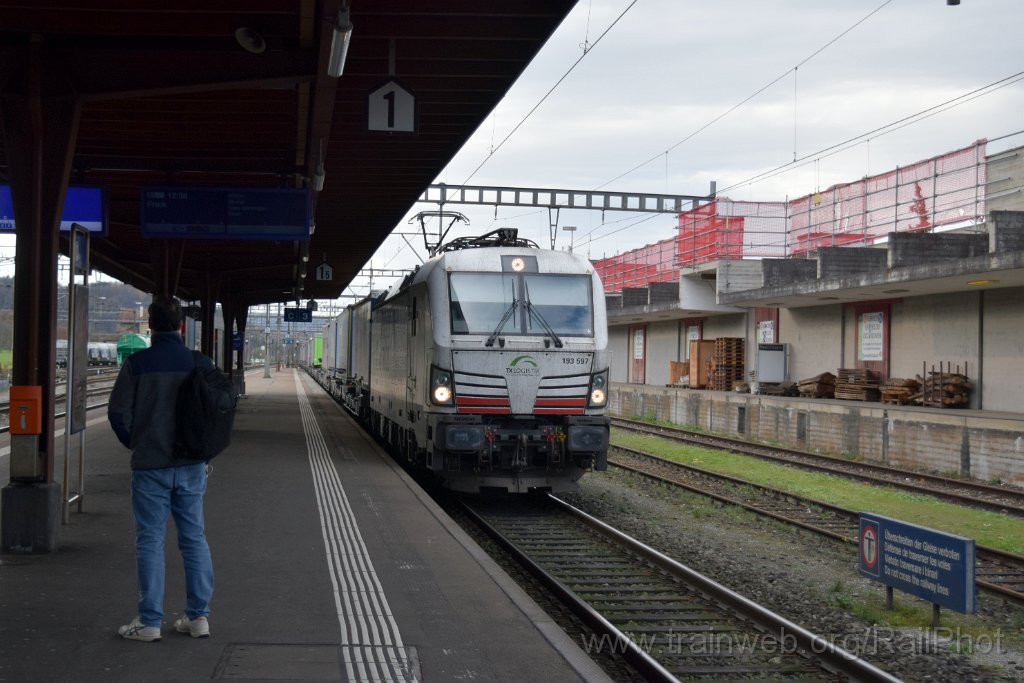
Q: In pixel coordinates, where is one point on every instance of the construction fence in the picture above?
(940, 192)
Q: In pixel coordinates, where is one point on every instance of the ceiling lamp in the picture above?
(339, 44)
(250, 40)
(319, 177)
(318, 173)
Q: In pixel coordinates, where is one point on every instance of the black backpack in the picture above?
(204, 412)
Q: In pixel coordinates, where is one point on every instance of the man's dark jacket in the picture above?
(141, 407)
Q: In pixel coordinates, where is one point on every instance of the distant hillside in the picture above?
(116, 295)
(106, 299)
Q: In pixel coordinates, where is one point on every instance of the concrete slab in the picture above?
(306, 519)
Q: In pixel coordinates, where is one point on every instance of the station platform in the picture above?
(331, 564)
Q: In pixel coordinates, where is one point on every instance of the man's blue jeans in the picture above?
(178, 491)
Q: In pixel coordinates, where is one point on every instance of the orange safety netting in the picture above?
(940, 191)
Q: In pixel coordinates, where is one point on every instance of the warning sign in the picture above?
(933, 565)
(869, 547)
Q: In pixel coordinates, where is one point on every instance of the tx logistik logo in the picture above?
(522, 365)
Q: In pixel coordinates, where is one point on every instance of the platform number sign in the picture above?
(324, 272)
(298, 315)
(392, 108)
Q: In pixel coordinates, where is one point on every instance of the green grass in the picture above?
(6, 359)
(652, 420)
(986, 528)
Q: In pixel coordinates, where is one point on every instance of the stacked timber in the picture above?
(778, 389)
(819, 386)
(854, 384)
(900, 392)
(946, 388)
(728, 363)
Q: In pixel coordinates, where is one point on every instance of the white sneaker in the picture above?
(197, 628)
(136, 630)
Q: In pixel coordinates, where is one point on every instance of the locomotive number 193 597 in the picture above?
(574, 360)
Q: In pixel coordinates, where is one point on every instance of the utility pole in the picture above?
(266, 344)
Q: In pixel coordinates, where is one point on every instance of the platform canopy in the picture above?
(237, 94)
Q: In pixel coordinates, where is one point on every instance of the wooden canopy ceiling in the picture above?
(169, 96)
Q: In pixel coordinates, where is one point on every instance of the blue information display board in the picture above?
(225, 213)
(82, 205)
(933, 565)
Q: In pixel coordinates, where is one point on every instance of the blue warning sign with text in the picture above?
(933, 565)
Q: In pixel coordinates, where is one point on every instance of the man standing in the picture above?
(141, 413)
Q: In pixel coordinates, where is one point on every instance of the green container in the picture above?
(129, 344)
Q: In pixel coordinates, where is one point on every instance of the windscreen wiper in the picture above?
(534, 313)
(512, 307)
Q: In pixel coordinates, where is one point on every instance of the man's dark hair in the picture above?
(165, 314)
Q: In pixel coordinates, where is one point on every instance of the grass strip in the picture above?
(986, 528)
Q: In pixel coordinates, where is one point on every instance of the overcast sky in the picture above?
(651, 87)
(668, 68)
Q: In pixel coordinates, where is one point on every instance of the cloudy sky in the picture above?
(673, 94)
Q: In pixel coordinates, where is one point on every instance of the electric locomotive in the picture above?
(489, 366)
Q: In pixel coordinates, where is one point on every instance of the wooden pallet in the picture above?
(854, 392)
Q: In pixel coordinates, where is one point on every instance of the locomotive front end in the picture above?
(519, 379)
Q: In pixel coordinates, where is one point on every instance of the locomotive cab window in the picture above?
(563, 302)
(480, 302)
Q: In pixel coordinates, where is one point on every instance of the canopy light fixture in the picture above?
(339, 44)
(318, 174)
(250, 40)
(318, 177)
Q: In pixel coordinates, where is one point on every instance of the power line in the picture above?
(586, 51)
(587, 47)
(884, 130)
(746, 99)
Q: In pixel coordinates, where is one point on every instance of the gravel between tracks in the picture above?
(802, 576)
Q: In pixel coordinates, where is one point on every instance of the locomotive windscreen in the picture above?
(479, 301)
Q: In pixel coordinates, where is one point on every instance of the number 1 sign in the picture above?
(392, 108)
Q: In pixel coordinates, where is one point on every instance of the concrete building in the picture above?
(899, 274)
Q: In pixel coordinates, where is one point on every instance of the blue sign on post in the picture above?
(225, 213)
(236, 341)
(933, 565)
(82, 205)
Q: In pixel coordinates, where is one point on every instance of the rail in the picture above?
(998, 572)
(622, 587)
(973, 494)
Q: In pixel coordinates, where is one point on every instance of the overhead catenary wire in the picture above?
(749, 97)
(882, 130)
(587, 46)
(519, 125)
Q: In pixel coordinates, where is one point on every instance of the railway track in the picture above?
(968, 493)
(997, 571)
(668, 621)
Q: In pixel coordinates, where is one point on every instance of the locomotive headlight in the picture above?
(598, 390)
(441, 390)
